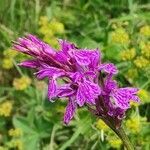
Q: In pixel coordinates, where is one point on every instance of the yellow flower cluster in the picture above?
(5, 109)
(145, 49)
(120, 36)
(7, 62)
(15, 132)
(144, 95)
(128, 54)
(49, 29)
(17, 144)
(9, 53)
(100, 124)
(141, 62)
(115, 143)
(145, 30)
(133, 125)
(21, 83)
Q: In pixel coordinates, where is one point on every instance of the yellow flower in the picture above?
(5, 109)
(15, 132)
(133, 125)
(100, 124)
(43, 20)
(141, 62)
(115, 142)
(56, 27)
(46, 31)
(17, 144)
(128, 54)
(50, 28)
(7, 63)
(45, 27)
(21, 83)
(145, 49)
(145, 30)
(120, 36)
(9, 53)
(144, 95)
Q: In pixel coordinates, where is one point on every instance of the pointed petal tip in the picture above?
(66, 122)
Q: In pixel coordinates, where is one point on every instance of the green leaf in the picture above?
(23, 124)
(112, 51)
(83, 127)
(30, 137)
(31, 142)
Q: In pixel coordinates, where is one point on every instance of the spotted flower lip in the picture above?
(80, 71)
(123, 96)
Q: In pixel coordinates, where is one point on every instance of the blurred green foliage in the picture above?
(121, 29)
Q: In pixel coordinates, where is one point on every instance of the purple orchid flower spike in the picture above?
(81, 70)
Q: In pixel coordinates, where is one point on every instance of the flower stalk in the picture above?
(121, 134)
(124, 138)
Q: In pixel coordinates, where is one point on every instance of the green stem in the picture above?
(124, 138)
(121, 134)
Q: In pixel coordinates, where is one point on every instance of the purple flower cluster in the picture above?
(83, 79)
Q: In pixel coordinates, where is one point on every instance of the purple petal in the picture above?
(33, 46)
(95, 59)
(135, 99)
(30, 64)
(90, 73)
(87, 57)
(120, 101)
(110, 85)
(87, 92)
(50, 72)
(66, 46)
(41, 45)
(52, 88)
(94, 88)
(65, 91)
(129, 90)
(81, 57)
(20, 48)
(123, 96)
(76, 77)
(70, 110)
(61, 57)
(81, 97)
(109, 68)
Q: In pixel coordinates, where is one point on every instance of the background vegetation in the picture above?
(120, 28)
